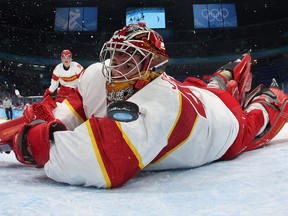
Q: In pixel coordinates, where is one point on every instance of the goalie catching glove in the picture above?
(42, 110)
(31, 144)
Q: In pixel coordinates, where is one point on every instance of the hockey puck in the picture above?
(123, 111)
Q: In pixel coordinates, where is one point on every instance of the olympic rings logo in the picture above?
(215, 14)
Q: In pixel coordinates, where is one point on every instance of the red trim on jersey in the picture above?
(54, 77)
(75, 100)
(193, 81)
(249, 125)
(63, 93)
(188, 117)
(82, 71)
(119, 160)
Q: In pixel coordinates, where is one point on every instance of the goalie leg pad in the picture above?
(31, 144)
(272, 103)
(275, 102)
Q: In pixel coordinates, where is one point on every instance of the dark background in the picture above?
(30, 49)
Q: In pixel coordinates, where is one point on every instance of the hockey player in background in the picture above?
(66, 74)
(178, 125)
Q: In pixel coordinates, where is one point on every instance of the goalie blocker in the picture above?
(31, 144)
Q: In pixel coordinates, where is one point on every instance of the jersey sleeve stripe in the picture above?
(69, 79)
(131, 146)
(98, 155)
(54, 77)
(180, 144)
(116, 155)
(178, 115)
(82, 71)
(187, 116)
(73, 110)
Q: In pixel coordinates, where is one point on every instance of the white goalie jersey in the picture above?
(176, 129)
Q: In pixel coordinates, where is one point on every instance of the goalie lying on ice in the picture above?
(179, 125)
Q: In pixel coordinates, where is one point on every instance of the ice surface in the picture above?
(255, 184)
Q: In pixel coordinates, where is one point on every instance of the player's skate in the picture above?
(275, 102)
(234, 77)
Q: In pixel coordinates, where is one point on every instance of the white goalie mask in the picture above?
(130, 56)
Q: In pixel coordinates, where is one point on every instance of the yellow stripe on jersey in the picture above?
(98, 155)
(180, 144)
(178, 115)
(69, 79)
(73, 110)
(173, 128)
(131, 146)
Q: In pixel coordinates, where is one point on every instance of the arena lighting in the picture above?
(39, 67)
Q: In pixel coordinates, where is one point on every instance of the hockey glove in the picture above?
(47, 92)
(41, 110)
(31, 144)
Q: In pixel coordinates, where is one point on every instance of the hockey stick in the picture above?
(18, 94)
